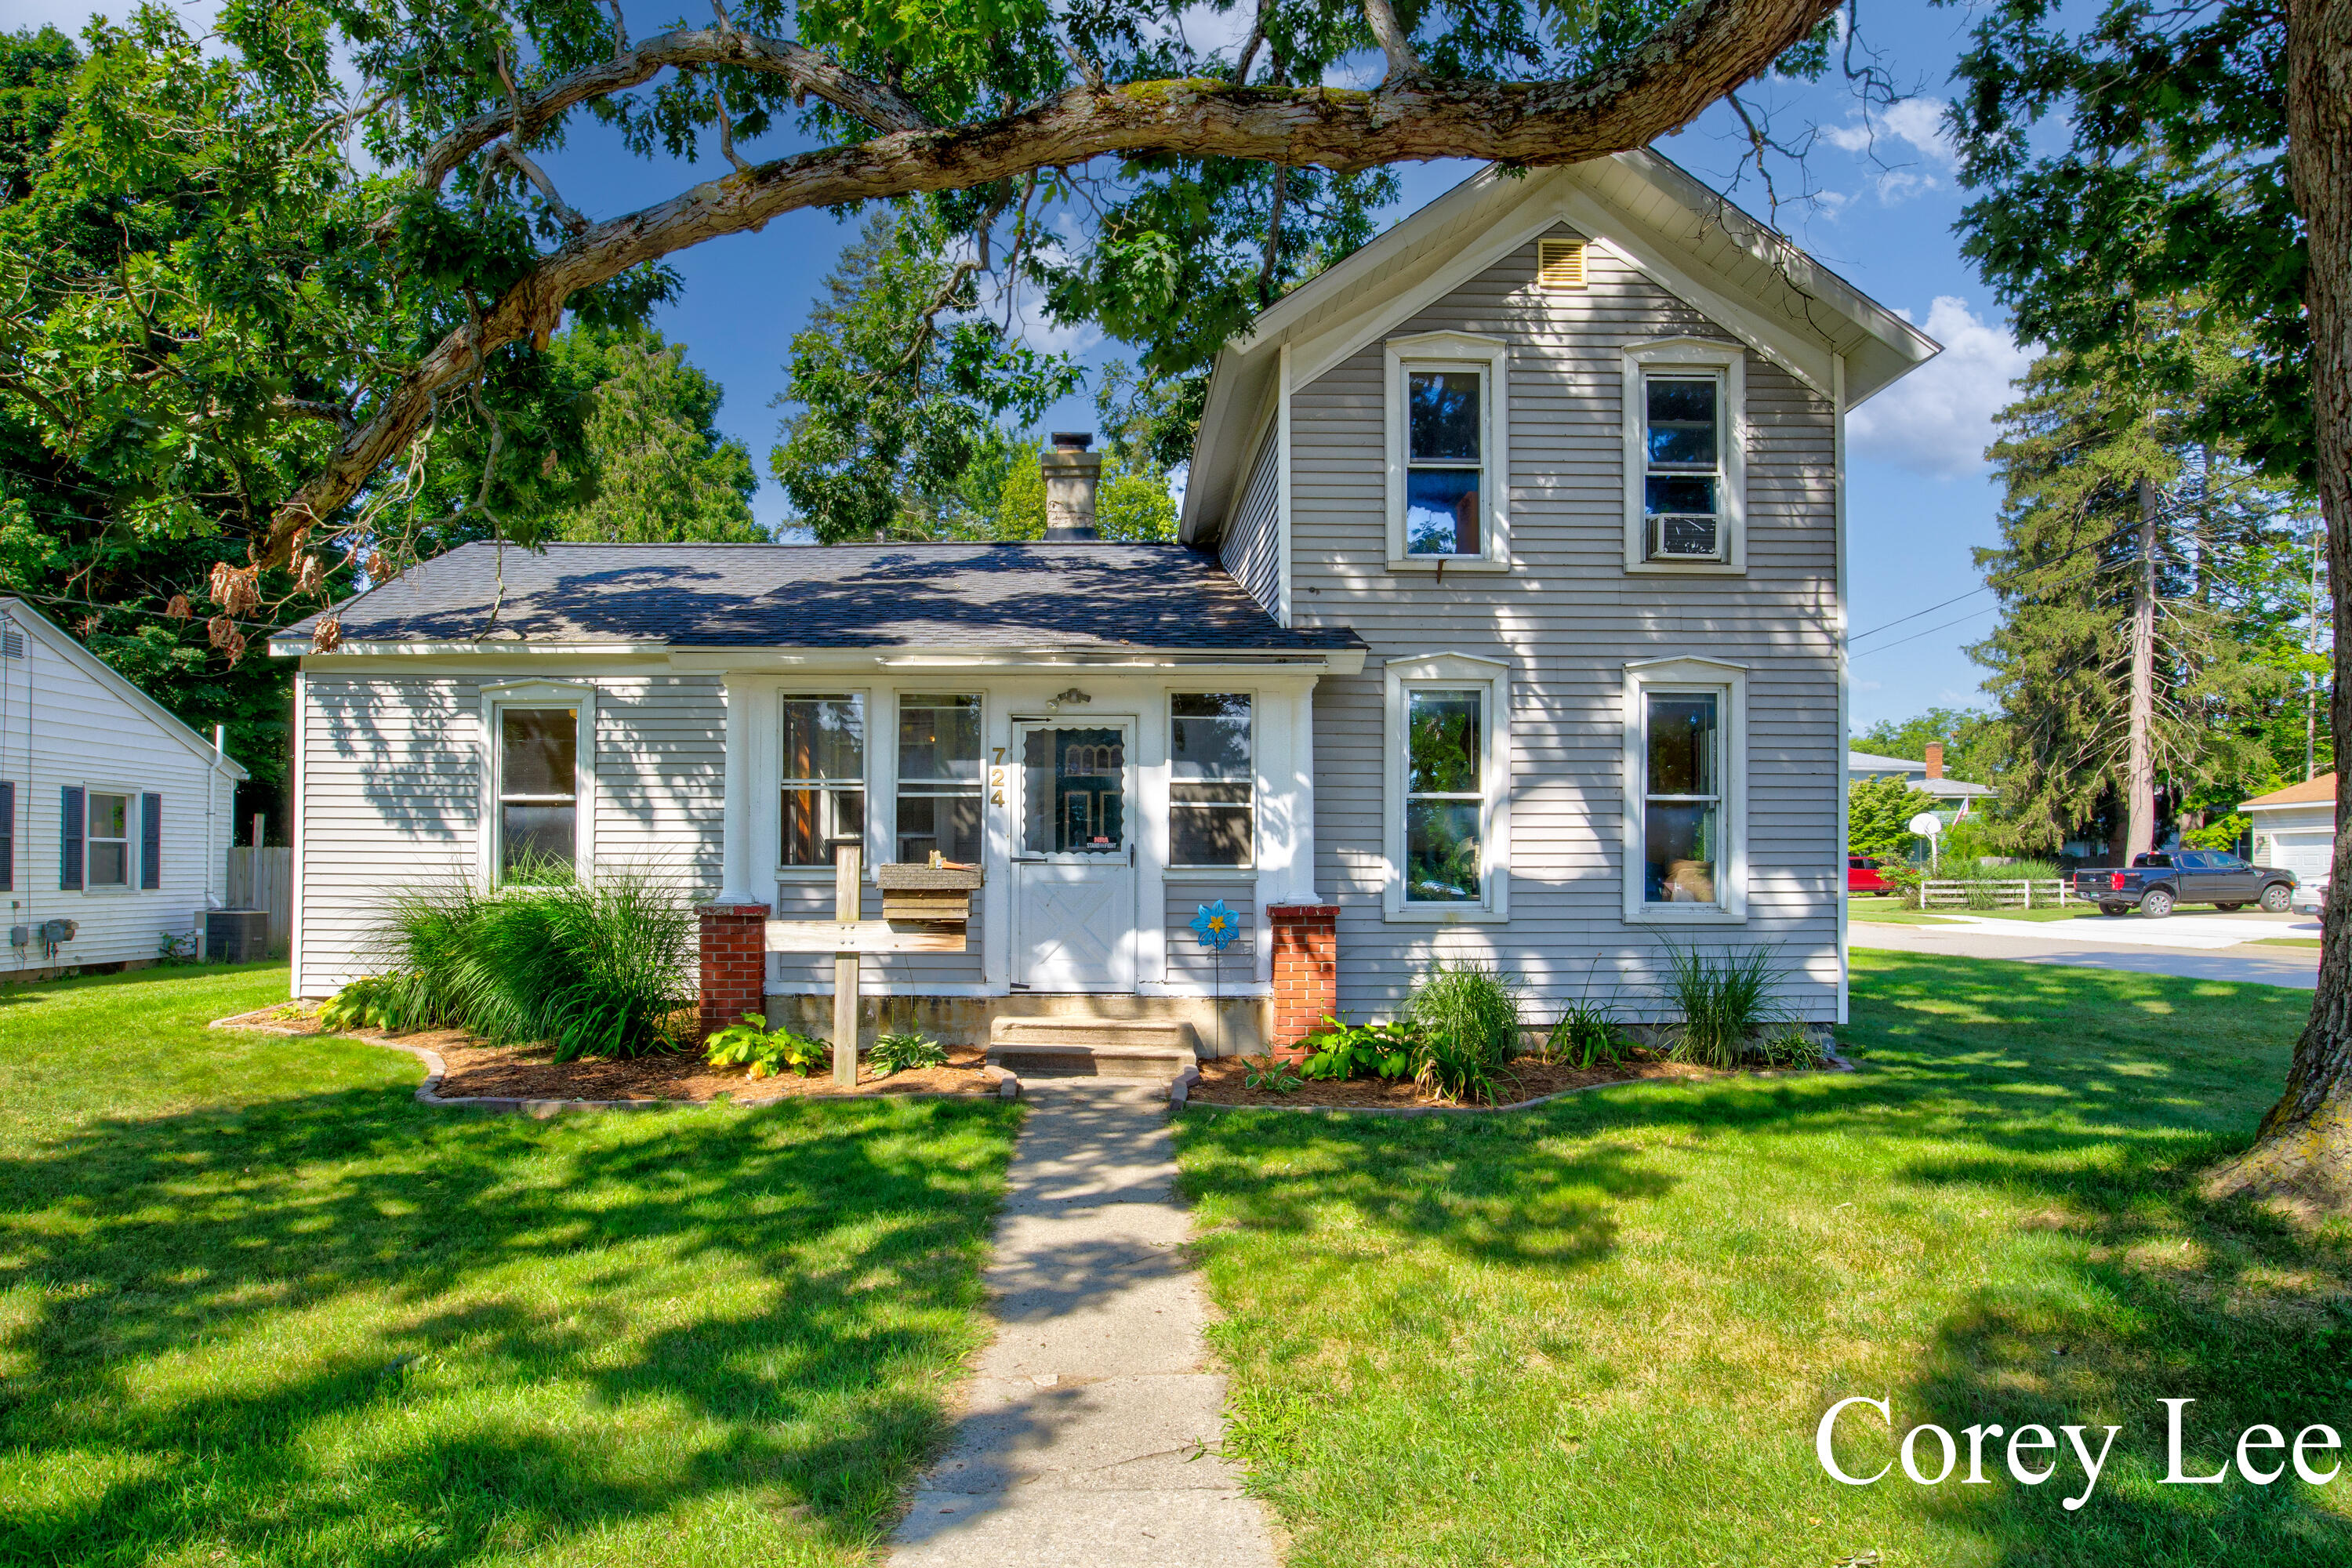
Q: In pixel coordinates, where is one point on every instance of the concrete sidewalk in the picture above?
(1092, 1427)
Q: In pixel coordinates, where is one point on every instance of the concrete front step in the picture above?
(1092, 1047)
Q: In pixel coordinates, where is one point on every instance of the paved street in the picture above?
(2101, 946)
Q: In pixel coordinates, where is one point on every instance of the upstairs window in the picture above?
(539, 794)
(1448, 466)
(1686, 462)
(1211, 782)
(824, 775)
(939, 778)
(1445, 471)
(1682, 479)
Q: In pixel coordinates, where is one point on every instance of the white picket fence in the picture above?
(2021, 892)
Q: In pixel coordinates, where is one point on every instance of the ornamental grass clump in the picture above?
(592, 969)
(1721, 1002)
(1467, 1016)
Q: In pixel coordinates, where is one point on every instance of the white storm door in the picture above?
(1074, 856)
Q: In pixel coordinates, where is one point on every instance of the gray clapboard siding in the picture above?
(392, 794)
(1251, 551)
(1188, 960)
(1567, 619)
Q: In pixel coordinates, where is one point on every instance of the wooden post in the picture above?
(846, 869)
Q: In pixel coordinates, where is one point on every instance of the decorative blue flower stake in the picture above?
(1217, 926)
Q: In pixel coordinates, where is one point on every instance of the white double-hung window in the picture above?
(939, 777)
(1685, 463)
(1685, 799)
(824, 775)
(1447, 413)
(1448, 796)
(538, 764)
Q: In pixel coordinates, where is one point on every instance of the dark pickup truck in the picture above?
(2157, 883)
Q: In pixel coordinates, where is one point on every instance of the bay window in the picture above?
(1212, 780)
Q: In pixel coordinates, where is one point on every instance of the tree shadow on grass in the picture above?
(338, 1328)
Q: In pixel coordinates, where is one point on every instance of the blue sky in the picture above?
(1919, 496)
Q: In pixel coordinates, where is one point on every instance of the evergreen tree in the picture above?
(658, 469)
(2141, 580)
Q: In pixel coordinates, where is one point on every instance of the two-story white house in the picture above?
(1507, 624)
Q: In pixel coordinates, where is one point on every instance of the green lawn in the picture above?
(1604, 1332)
(1890, 910)
(257, 1306)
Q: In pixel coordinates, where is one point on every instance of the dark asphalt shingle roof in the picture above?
(854, 595)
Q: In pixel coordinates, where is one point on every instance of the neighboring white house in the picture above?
(1507, 626)
(113, 815)
(2295, 828)
(1955, 797)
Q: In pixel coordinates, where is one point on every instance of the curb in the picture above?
(1831, 1064)
(1180, 1089)
(435, 1069)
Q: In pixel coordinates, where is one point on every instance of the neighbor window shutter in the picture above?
(151, 840)
(70, 840)
(7, 836)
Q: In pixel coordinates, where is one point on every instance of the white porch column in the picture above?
(735, 825)
(1302, 758)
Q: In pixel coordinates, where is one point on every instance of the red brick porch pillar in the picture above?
(734, 964)
(1306, 971)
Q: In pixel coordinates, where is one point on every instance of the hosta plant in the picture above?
(905, 1051)
(764, 1052)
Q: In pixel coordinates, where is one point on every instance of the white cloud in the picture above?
(1938, 419)
(1913, 122)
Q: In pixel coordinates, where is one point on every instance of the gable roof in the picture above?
(1731, 267)
(2320, 791)
(65, 646)
(1005, 597)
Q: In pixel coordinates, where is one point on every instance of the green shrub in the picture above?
(380, 1001)
(906, 1052)
(1457, 1067)
(1479, 1004)
(594, 969)
(1270, 1072)
(1790, 1046)
(765, 1051)
(1721, 1000)
(1359, 1050)
(1587, 1036)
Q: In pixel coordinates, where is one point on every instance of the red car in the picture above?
(1862, 874)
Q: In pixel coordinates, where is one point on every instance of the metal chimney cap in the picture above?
(1074, 440)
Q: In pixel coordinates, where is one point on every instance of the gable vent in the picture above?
(12, 643)
(1560, 265)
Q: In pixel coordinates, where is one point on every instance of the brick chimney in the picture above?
(1071, 475)
(1935, 759)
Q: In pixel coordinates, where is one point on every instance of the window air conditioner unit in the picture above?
(1687, 538)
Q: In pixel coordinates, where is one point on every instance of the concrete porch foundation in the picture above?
(1232, 1026)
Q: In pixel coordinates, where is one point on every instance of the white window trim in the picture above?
(1729, 361)
(1453, 671)
(1729, 682)
(129, 883)
(878, 777)
(1169, 868)
(539, 694)
(1453, 351)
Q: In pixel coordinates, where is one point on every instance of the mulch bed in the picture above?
(1224, 1083)
(479, 1071)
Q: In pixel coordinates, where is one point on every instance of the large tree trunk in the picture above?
(2139, 768)
(2302, 1155)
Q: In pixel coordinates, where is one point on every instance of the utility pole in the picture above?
(2139, 772)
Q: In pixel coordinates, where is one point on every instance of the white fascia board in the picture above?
(57, 641)
(1015, 661)
(291, 648)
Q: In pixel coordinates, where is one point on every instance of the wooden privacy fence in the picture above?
(264, 880)
(2050, 892)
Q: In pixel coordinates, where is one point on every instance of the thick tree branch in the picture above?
(1404, 64)
(1708, 48)
(871, 102)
